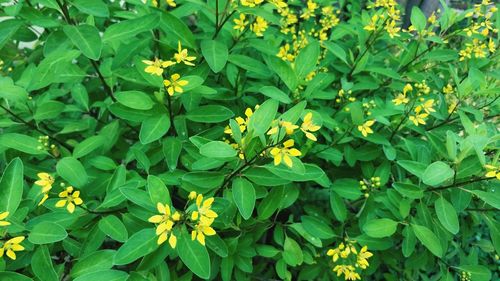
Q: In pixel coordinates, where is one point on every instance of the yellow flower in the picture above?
(448, 89)
(182, 56)
(3, 216)
(240, 23)
(156, 67)
(45, 181)
(284, 153)
(365, 128)
(242, 123)
(192, 195)
(418, 118)
(165, 222)
(491, 46)
(372, 25)
(251, 3)
(308, 126)
(348, 271)
(309, 11)
(171, 3)
(71, 198)
(426, 106)
(12, 246)
(203, 228)
(391, 29)
(362, 258)
(284, 55)
(175, 85)
(259, 26)
(289, 128)
(492, 171)
(400, 99)
(203, 208)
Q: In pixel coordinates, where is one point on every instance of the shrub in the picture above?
(248, 140)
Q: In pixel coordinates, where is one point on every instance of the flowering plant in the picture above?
(248, 140)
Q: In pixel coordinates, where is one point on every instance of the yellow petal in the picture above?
(288, 143)
(194, 215)
(201, 238)
(4, 215)
(294, 152)
(78, 201)
(209, 231)
(193, 235)
(172, 240)
(288, 160)
(155, 219)
(208, 202)
(162, 238)
(16, 240)
(61, 203)
(71, 207)
(4, 223)
(11, 254)
(277, 159)
(44, 198)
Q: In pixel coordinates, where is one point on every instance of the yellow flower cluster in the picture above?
(451, 99)
(388, 15)
(365, 128)
(204, 216)
(70, 199)
(402, 98)
(45, 181)
(164, 224)
(259, 26)
(421, 112)
(368, 185)
(351, 260)
(251, 3)
(170, 3)
(157, 67)
(11, 246)
(481, 32)
(493, 172)
(242, 123)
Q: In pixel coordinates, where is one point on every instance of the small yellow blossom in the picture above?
(71, 198)
(251, 3)
(426, 106)
(365, 128)
(242, 122)
(492, 171)
(308, 126)
(192, 195)
(391, 29)
(45, 181)
(418, 118)
(165, 222)
(348, 271)
(448, 89)
(284, 153)
(288, 126)
(171, 3)
(284, 53)
(259, 26)
(401, 99)
(182, 56)
(240, 23)
(174, 85)
(204, 208)
(309, 11)
(3, 216)
(372, 25)
(362, 257)
(203, 228)
(11, 246)
(156, 67)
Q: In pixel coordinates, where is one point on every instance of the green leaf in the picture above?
(262, 118)
(138, 245)
(134, 99)
(158, 192)
(22, 143)
(244, 196)
(207, 180)
(292, 252)
(47, 232)
(447, 215)
(217, 149)
(87, 146)
(153, 128)
(275, 94)
(418, 19)
(194, 256)
(338, 206)
(379, 228)
(317, 228)
(416, 168)
(86, 38)
(336, 50)
(127, 29)
(408, 190)
(307, 59)
(478, 272)
(7, 29)
(92, 7)
(114, 228)
(13, 276)
(215, 53)
(48, 110)
(492, 198)
(11, 186)
(104, 275)
(347, 188)
(172, 148)
(428, 239)
(12, 92)
(41, 264)
(71, 170)
(176, 30)
(96, 261)
(210, 114)
(437, 173)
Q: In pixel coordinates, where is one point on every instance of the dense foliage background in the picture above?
(248, 140)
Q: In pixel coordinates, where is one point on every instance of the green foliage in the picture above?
(248, 140)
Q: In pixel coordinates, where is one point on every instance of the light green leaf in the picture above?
(114, 228)
(47, 232)
(292, 252)
(11, 186)
(138, 245)
(244, 196)
(194, 256)
(447, 215)
(158, 192)
(428, 239)
(217, 149)
(317, 228)
(134, 99)
(437, 173)
(210, 114)
(276, 94)
(379, 228)
(72, 171)
(41, 264)
(88, 145)
(86, 38)
(215, 53)
(153, 128)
